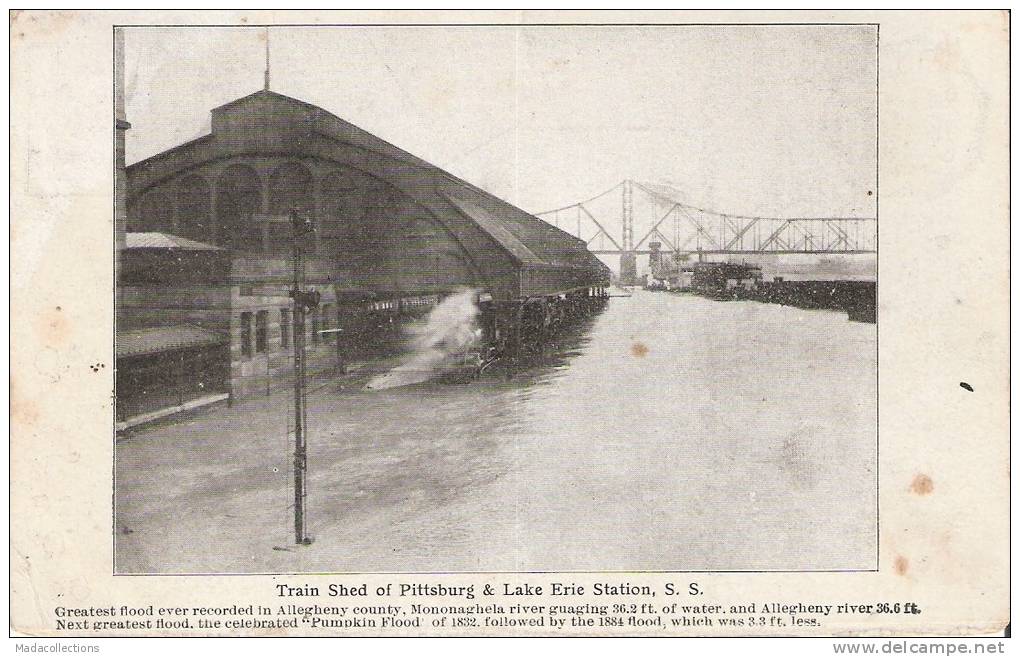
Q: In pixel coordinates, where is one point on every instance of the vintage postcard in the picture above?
(509, 323)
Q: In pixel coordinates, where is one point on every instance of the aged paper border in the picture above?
(947, 549)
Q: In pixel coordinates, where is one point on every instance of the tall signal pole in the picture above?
(301, 299)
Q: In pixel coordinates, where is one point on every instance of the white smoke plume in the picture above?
(450, 329)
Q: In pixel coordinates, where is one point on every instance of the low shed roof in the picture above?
(166, 241)
(158, 339)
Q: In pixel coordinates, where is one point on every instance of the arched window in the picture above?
(155, 213)
(194, 208)
(238, 198)
(291, 187)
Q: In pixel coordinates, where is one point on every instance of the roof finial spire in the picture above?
(267, 59)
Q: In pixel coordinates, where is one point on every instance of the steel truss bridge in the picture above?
(609, 222)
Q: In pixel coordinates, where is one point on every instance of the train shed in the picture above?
(393, 233)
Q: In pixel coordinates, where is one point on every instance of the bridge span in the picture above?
(636, 218)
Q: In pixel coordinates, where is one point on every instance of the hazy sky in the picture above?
(772, 121)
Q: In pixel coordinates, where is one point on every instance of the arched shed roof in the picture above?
(267, 122)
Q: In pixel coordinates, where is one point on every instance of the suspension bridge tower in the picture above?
(628, 259)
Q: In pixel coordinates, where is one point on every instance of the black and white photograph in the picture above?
(439, 324)
(496, 298)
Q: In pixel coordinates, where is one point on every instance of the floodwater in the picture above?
(667, 433)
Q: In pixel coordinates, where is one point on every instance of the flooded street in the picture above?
(667, 433)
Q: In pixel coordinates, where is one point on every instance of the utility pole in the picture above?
(302, 302)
